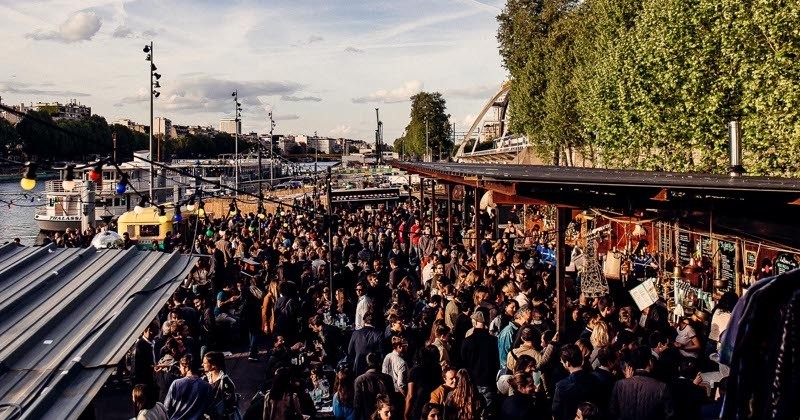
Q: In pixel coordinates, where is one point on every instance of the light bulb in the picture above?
(27, 183)
(190, 207)
(262, 216)
(138, 209)
(233, 212)
(68, 185)
(201, 213)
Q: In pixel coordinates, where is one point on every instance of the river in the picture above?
(16, 219)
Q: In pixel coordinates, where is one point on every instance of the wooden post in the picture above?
(562, 219)
(421, 201)
(477, 227)
(450, 214)
(433, 206)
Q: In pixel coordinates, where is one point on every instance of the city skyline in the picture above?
(336, 61)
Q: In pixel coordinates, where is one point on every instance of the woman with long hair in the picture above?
(225, 403)
(280, 402)
(598, 339)
(268, 307)
(383, 408)
(146, 405)
(343, 407)
(423, 379)
(464, 403)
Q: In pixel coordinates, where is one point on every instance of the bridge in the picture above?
(493, 143)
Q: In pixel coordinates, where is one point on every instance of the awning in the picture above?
(68, 316)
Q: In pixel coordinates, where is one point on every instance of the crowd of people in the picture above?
(406, 327)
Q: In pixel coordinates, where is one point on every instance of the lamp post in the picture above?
(427, 140)
(154, 77)
(237, 112)
(271, 156)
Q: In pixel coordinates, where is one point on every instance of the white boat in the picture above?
(64, 207)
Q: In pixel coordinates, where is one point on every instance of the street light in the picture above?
(427, 140)
(154, 77)
(237, 112)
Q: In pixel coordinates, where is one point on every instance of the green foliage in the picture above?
(652, 84)
(430, 107)
(9, 139)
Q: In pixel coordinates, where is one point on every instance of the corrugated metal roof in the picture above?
(68, 316)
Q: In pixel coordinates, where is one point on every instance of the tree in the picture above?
(430, 107)
(39, 139)
(9, 139)
(536, 38)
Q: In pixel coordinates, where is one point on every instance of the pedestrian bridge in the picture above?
(493, 143)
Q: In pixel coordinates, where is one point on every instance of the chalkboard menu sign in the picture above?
(785, 262)
(727, 265)
(684, 248)
(705, 248)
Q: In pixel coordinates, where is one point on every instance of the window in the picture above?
(149, 231)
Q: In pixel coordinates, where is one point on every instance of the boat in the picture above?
(64, 207)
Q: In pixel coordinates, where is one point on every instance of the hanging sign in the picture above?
(684, 248)
(727, 265)
(785, 262)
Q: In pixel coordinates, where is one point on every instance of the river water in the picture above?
(16, 219)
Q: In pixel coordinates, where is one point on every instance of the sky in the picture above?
(321, 66)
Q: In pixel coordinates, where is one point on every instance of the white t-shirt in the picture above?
(684, 337)
(719, 323)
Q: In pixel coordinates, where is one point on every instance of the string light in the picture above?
(201, 212)
(190, 205)
(96, 174)
(28, 181)
(69, 179)
(140, 207)
(162, 214)
(178, 217)
(122, 185)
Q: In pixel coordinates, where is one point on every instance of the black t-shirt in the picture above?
(425, 380)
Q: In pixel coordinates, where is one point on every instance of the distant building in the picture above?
(199, 130)
(325, 145)
(230, 126)
(179, 131)
(162, 127)
(286, 143)
(12, 117)
(69, 111)
(140, 128)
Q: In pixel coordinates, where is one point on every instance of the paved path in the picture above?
(113, 402)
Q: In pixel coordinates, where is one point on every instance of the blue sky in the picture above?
(322, 66)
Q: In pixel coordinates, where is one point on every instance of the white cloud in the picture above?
(400, 94)
(353, 50)
(340, 130)
(286, 117)
(315, 38)
(290, 98)
(472, 92)
(81, 26)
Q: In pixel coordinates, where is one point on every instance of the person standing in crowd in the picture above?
(395, 366)
(465, 402)
(190, 396)
(639, 395)
(225, 404)
(509, 333)
(343, 395)
(576, 388)
(144, 356)
(369, 385)
(480, 354)
(363, 342)
(146, 405)
(364, 304)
